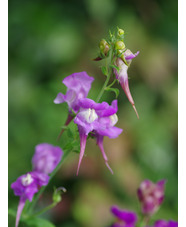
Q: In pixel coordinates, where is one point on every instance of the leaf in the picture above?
(104, 70)
(115, 90)
(115, 67)
(38, 222)
(70, 133)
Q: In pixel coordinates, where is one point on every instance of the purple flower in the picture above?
(151, 196)
(46, 158)
(99, 120)
(26, 186)
(122, 75)
(163, 223)
(78, 86)
(125, 218)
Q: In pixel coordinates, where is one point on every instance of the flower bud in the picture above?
(119, 45)
(57, 197)
(57, 194)
(120, 32)
(104, 46)
(151, 196)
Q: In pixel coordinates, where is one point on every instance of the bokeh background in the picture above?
(49, 40)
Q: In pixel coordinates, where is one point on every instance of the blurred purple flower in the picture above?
(151, 196)
(78, 86)
(122, 75)
(163, 223)
(125, 218)
(26, 186)
(46, 158)
(99, 120)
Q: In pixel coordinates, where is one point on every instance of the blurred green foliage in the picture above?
(49, 40)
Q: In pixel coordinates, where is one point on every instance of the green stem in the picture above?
(32, 205)
(44, 209)
(106, 82)
(111, 84)
(103, 88)
(145, 221)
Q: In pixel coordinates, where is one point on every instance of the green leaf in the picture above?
(70, 133)
(115, 90)
(38, 222)
(115, 67)
(104, 70)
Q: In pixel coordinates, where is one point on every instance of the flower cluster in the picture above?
(44, 161)
(151, 196)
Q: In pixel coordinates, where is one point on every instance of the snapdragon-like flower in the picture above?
(46, 158)
(26, 186)
(78, 86)
(125, 218)
(163, 223)
(151, 196)
(123, 63)
(99, 120)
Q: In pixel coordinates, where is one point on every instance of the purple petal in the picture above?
(164, 223)
(83, 139)
(78, 80)
(122, 76)
(161, 183)
(59, 98)
(173, 223)
(128, 217)
(89, 103)
(112, 132)
(41, 179)
(46, 157)
(131, 56)
(19, 211)
(100, 144)
(110, 110)
(125, 86)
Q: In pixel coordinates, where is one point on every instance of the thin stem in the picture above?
(145, 221)
(44, 209)
(32, 205)
(105, 84)
(103, 88)
(111, 84)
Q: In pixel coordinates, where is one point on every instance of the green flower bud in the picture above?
(102, 44)
(104, 47)
(119, 45)
(120, 32)
(57, 194)
(57, 197)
